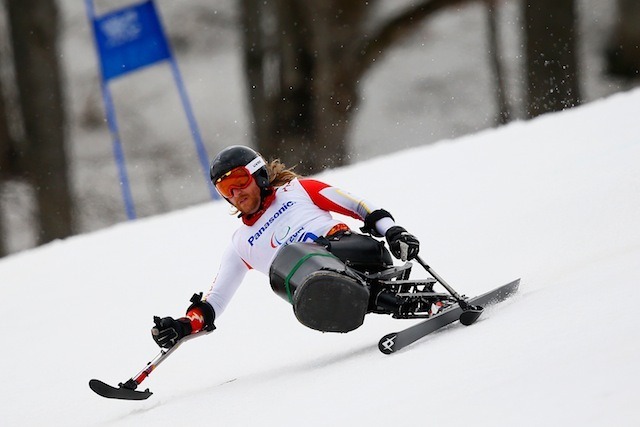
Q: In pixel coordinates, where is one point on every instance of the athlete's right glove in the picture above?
(168, 331)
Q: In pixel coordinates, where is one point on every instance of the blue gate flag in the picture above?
(129, 39)
(126, 40)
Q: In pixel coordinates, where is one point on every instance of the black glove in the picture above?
(403, 245)
(168, 331)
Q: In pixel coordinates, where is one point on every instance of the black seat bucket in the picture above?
(324, 295)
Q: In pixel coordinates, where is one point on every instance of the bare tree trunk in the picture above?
(504, 110)
(34, 34)
(551, 56)
(623, 52)
(295, 134)
(253, 54)
(304, 63)
(335, 26)
(6, 142)
(280, 70)
(5, 163)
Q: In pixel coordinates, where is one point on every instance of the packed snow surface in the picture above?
(555, 201)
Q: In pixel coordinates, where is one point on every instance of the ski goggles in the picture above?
(238, 178)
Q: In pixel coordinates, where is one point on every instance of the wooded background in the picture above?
(304, 66)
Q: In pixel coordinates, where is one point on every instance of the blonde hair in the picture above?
(279, 175)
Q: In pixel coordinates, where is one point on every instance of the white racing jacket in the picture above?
(298, 213)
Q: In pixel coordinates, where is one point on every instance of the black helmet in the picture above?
(235, 156)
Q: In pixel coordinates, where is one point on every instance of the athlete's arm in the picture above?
(333, 199)
(231, 273)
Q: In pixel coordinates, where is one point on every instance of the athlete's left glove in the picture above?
(403, 245)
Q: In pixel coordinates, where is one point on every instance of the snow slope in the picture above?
(555, 201)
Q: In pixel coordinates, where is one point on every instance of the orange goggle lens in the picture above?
(236, 178)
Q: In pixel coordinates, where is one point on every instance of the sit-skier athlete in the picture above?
(280, 209)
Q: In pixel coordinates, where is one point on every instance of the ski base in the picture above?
(122, 392)
(393, 342)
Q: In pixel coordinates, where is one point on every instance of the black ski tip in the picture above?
(124, 393)
(387, 343)
(470, 315)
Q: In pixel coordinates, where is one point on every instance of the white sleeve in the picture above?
(384, 224)
(336, 200)
(231, 273)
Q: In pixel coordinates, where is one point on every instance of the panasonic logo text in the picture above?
(270, 221)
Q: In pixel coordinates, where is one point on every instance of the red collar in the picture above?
(266, 202)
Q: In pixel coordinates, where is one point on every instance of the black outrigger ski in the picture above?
(127, 390)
